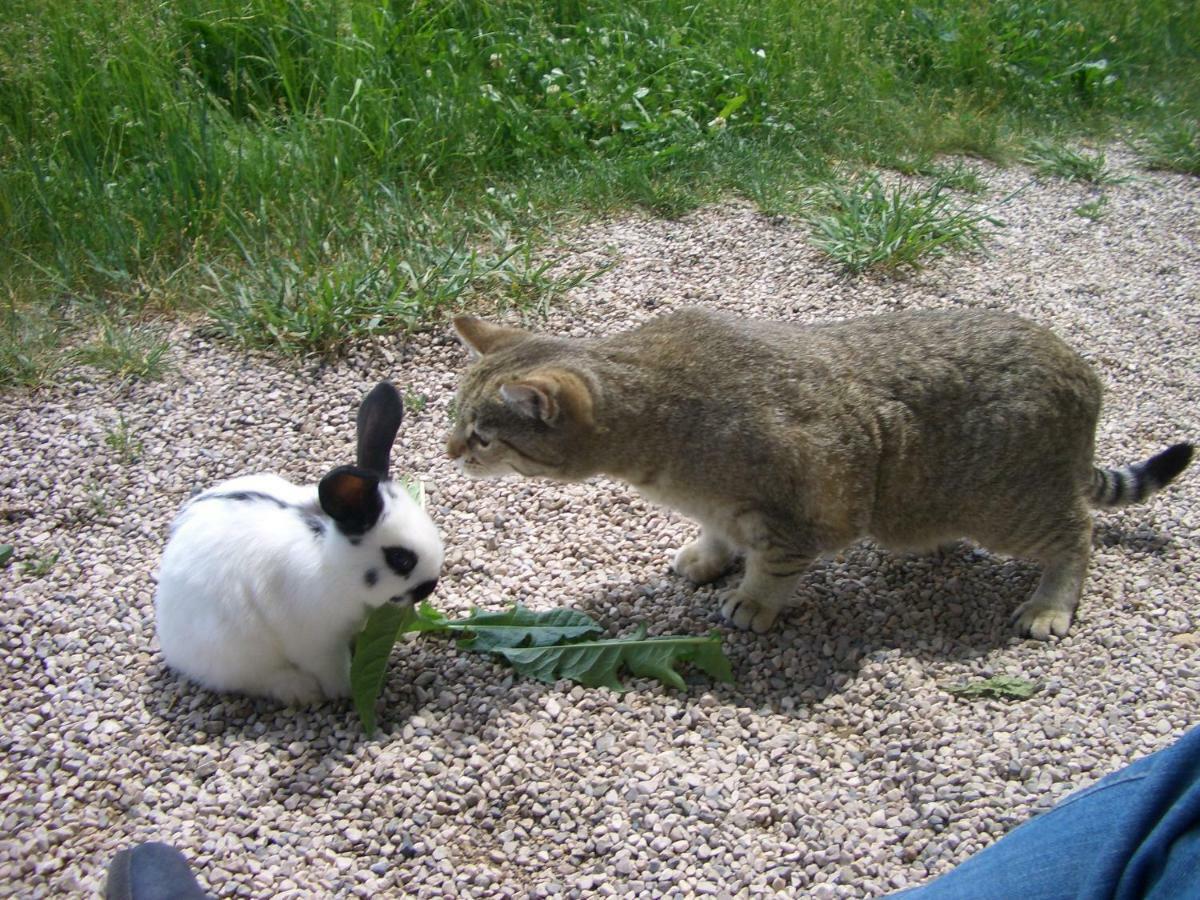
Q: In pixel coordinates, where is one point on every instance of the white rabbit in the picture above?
(264, 584)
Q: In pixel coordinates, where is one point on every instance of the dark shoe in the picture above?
(151, 871)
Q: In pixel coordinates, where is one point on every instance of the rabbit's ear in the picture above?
(379, 419)
(350, 496)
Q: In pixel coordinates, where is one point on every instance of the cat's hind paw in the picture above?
(749, 615)
(1039, 621)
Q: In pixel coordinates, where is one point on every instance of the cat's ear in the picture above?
(552, 396)
(482, 338)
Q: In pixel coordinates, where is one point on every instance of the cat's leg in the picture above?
(1065, 560)
(706, 558)
(768, 586)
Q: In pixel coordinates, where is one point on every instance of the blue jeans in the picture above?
(1133, 835)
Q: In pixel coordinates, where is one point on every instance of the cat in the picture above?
(788, 441)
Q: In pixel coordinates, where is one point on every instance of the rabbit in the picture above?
(264, 584)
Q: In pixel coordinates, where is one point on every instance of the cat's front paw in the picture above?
(1039, 621)
(748, 614)
(702, 561)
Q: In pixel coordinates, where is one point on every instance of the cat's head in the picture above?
(526, 406)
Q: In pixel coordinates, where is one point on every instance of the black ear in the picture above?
(350, 496)
(379, 419)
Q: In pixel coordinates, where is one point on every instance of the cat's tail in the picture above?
(1132, 484)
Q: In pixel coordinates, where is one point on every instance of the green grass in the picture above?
(126, 351)
(869, 226)
(1093, 209)
(308, 170)
(124, 442)
(40, 566)
(1053, 160)
(1173, 147)
(30, 344)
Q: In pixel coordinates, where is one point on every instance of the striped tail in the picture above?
(1132, 484)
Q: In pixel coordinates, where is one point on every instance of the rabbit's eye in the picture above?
(400, 560)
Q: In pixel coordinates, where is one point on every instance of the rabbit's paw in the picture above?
(294, 687)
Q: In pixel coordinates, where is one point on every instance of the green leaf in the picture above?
(373, 649)
(415, 488)
(597, 663)
(547, 645)
(998, 686)
(6, 553)
(732, 106)
(520, 626)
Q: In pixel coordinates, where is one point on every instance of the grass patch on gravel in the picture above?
(1172, 147)
(126, 351)
(870, 226)
(1053, 160)
(310, 171)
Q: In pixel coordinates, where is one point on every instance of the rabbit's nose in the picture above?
(455, 446)
(423, 590)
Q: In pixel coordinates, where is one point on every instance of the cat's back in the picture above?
(904, 354)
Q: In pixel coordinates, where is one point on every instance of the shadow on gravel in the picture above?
(950, 605)
(421, 676)
(1142, 538)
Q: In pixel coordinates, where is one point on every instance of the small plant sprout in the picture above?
(1093, 209)
(415, 402)
(40, 566)
(122, 440)
(97, 499)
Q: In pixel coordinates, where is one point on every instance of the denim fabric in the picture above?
(1133, 835)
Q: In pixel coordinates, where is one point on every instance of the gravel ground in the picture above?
(836, 766)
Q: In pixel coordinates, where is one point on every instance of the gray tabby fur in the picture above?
(789, 441)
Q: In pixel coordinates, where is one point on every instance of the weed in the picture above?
(126, 351)
(961, 177)
(122, 440)
(414, 402)
(98, 499)
(6, 554)
(39, 566)
(1059, 161)
(1093, 209)
(1173, 147)
(29, 345)
(870, 226)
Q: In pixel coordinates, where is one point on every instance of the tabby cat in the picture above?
(788, 441)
